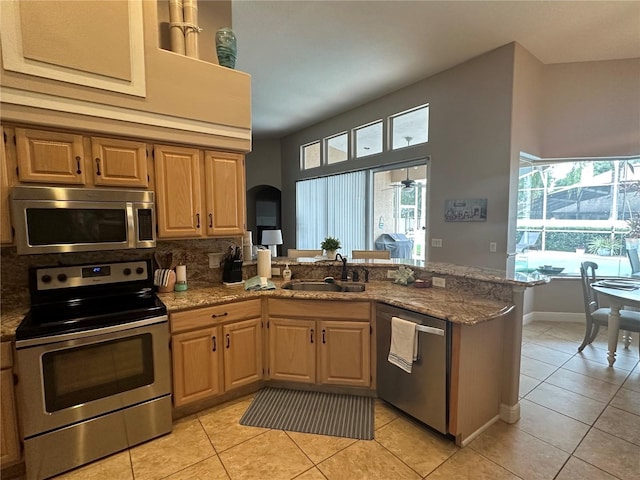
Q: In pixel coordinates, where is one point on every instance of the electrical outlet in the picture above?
(436, 242)
(493, 246)
(391, 274)
(438, 282)
(275, 271)
(214, 260)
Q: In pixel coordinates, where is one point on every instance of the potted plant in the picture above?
(604, 246)
(632, 238)
(330, 245)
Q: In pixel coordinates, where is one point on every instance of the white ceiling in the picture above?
(310, 60)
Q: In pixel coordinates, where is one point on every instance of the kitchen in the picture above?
(491, 69)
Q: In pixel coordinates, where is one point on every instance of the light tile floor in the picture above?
(580, 419)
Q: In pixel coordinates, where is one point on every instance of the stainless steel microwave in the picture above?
(60, 220)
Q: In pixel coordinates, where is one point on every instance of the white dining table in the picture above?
(617, 298)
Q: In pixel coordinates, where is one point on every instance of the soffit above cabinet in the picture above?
(169, 97)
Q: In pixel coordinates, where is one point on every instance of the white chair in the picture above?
(296, 253)
(383, 254)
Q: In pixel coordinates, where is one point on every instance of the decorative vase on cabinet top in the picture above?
(226, 47)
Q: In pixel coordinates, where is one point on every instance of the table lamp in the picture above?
(272, 238)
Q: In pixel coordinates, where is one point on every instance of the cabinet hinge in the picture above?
(17, 171)
(15, 142)
(148, 178)
(4, 134)
(370, 330)
(15, 379)
(267, 323)
(153, 153)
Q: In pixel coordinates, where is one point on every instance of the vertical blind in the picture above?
(332, 206)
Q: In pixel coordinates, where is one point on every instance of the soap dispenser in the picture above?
(286, 273)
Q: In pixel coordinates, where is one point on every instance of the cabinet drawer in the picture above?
(320, 309)
(6, 356)
(202, 317)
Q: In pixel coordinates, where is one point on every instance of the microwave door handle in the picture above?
(131, 226)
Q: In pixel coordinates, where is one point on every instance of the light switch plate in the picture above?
(438, 282)
(275, 271)
(493, 247)
(436, 242)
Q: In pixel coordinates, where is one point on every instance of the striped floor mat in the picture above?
(311, 412)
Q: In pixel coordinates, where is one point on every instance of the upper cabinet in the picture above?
(49, 157)
(119, 163)
(182, 174)
(61, 69)
(66, 158)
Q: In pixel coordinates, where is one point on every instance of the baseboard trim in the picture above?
(553, 317)
(510, 413)
(467, 440)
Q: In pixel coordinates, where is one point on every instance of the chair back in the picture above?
(297, 253)
(588, 273)
(632, 253)
(384, 254)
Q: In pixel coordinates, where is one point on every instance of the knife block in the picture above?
(232, 271)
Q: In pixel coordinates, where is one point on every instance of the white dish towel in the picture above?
(404, 344)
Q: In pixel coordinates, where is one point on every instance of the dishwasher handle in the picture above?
(432, 330)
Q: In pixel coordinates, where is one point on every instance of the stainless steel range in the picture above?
(93, 364)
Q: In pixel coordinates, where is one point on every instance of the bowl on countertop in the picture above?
(549, 270)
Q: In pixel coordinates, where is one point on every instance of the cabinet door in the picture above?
(178, 198)
(242, 353)
(5, 223)
(119, 163)
(344, 353)
(9, 442)
(49, 157)
(196, 365)
(292, 350)
(225, 193)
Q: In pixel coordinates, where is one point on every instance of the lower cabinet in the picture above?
(332, 350)
(215, 349)
(9, 444)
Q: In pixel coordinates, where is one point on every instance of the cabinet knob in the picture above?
(211, 220)
(228, 341)
(98, 167)
(323, 339)
(214, 343)
(312, 335)
(219, 315)
(79, 171)
(197, 220)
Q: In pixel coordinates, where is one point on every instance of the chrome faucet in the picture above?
(344, 277)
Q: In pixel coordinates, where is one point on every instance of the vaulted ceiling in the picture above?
(310, 60)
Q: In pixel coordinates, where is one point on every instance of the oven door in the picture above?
(67, 380)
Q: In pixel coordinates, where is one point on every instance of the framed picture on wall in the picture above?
(466, 210)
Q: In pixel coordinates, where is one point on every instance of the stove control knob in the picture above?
(139, 270)
(62, 277)
(127, 271)
(46, 278)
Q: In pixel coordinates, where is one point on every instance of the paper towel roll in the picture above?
(264, 263)
(181, 273)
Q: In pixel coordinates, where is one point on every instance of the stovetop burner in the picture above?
(86, 297)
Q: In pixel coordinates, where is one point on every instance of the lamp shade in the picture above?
(272, 237)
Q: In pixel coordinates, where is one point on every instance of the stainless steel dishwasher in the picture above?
(423, 393)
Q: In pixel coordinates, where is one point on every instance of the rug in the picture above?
(321, 413)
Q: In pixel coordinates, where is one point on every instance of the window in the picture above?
(335, 206)
(337, 148)
(410, 127)
(575, 211)
(368, 139)
(310, 156)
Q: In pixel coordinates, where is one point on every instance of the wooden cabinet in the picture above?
(292, 350)
(119, 163)
(49, 157)
(5, 222)
(196, 365)
(9, 440)
(225, 193)
(242, 353)
(199, 193)
(178, 192)
(215, 349)
(345, 357)
(314, 341)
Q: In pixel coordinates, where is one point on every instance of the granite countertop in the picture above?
(446, 304)
(455, 306)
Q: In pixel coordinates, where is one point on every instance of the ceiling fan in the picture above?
(407, 183)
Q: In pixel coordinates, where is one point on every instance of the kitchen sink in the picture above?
(317, 286)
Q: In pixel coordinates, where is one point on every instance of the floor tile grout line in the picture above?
(504, 467)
